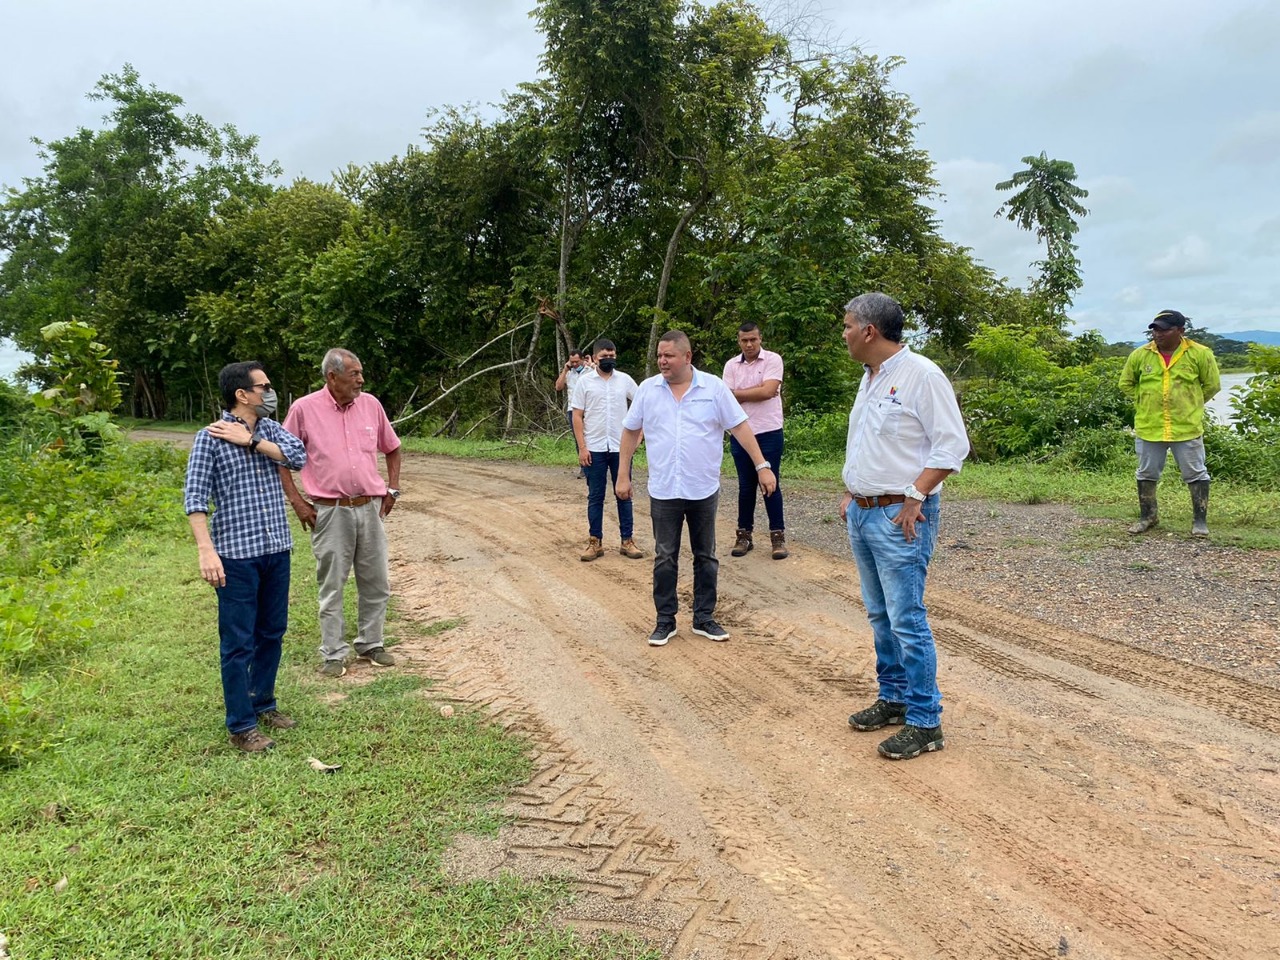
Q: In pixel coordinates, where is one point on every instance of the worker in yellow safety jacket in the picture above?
(1169, 380)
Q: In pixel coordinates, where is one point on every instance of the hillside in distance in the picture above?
(1269, 337)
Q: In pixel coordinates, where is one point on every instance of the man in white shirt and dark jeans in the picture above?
(598, 405)
(684, 414)
(906, 436)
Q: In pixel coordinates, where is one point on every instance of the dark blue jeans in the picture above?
(749, 480)
(669, 516)
(604, 466)
(253, 611)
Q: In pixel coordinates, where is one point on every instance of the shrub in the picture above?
(1259, 407)
(1252, 458)
(816, 438)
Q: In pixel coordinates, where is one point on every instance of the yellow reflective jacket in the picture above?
(1170, 400)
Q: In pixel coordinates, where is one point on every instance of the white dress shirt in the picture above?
(904, 419)
(603, 402)
(684, 439)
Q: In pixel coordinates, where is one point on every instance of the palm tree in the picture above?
(1047, 204)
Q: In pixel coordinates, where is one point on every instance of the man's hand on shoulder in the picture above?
(232, 431)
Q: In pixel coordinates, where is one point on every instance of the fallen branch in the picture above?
(478, 373)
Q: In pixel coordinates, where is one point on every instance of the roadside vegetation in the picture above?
(131, 829)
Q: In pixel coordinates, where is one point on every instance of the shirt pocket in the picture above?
(886, 418)
(701, 409)
(367, 438)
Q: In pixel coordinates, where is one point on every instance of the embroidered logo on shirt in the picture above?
(893, 396)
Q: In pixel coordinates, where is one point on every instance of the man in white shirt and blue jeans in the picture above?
(684, 413)
(598, 406)
(906, 436)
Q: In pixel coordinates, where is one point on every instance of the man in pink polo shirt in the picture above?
(755, 378)
(343, 429)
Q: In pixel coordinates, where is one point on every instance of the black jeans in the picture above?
(669, 516)
(749, 480)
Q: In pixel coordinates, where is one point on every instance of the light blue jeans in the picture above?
(892, 574)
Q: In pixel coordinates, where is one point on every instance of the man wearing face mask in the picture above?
(572, 371)
(599, 403)
(244, 552)
(347, 500)
(1169, 380)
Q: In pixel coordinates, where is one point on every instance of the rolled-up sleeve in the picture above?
(295, 453)
(943, 425)
(198, 489)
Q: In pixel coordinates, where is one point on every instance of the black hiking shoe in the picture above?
(911, 741)
(882, 713)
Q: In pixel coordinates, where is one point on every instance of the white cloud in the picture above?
(1266, 239)
(1189, 257)
(1130, 296)
(1254, 140)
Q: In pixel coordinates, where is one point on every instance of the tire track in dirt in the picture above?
(751, 822)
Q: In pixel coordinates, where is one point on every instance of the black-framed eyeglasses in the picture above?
(264, 387)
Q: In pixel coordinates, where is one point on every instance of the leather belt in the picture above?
(342, 501)
(884, 500)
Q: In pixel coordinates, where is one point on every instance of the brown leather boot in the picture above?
(743, 545)
(630, 550)
(779, 538)
(594, 551)
(251, 741)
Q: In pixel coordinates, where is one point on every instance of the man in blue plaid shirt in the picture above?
(244, 550)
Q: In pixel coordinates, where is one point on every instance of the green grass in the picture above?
(174, 845)
(128, 424)
(1239, 515)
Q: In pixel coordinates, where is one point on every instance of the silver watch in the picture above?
(763, 465)
(915, 494)
(394, 493)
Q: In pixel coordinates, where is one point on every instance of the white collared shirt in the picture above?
(904, 419)
(571, 379)
(684, 439)
(603, 402)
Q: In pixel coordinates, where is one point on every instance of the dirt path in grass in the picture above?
(1096, 799)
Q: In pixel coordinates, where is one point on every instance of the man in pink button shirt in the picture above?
(344, 429)
(755, 377)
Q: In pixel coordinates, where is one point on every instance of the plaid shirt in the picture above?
(250, 519)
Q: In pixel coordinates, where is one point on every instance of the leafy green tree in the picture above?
(1047, 203)
(250, 273)
(1258, 408)
(96, 236)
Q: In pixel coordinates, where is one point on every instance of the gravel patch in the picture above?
(1165, 593)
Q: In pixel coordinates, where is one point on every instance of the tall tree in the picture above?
(96, 236)
(1048, 203)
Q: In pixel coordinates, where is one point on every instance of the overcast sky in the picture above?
(1162, 105)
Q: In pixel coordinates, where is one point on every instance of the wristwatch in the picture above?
(763, 465)
(253, 444)
(393, 493)
(915, 494)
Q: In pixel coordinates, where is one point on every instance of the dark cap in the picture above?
(1167, 320)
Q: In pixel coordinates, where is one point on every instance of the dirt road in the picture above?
(1094, 800)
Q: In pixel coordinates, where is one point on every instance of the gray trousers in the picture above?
(347, 538)
(1187, 454)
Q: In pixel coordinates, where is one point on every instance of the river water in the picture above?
(1221, 404)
